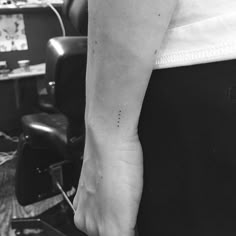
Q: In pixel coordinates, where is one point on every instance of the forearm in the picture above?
(124, 37)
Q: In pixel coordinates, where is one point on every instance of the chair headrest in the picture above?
(77, 12)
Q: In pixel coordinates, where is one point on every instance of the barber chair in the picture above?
(51, 143)
(49, 154)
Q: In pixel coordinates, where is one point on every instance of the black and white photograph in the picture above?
(117, 117)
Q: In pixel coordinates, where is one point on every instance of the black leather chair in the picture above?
(57, 136)
(53, 140)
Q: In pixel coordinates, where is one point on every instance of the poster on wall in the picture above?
(12, 33)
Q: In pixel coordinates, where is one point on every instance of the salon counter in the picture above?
(27, 8)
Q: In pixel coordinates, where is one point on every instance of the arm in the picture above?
(123, 39)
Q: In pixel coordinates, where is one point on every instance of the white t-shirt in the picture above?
(200, 31)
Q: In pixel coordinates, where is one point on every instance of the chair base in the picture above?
(57, 221)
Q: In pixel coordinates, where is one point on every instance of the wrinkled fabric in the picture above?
(201, 31)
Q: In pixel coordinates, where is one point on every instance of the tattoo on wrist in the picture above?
(119, 117)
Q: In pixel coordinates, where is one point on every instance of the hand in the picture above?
(110, 187)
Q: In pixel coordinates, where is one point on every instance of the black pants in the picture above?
(188, 133)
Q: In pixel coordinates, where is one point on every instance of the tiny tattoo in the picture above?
(119, 116)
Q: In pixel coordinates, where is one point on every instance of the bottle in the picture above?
(4, 70)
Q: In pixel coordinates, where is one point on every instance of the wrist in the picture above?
(108, 134)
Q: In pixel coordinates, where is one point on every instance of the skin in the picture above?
(123, 39)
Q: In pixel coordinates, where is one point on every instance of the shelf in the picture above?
(27, 8)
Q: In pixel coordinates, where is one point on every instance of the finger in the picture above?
(79, 220)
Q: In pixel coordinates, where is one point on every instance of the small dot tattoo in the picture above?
(119, 117)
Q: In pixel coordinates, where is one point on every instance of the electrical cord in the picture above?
(58, 17)
(7, 156)
(50, 5)
(13, 139)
